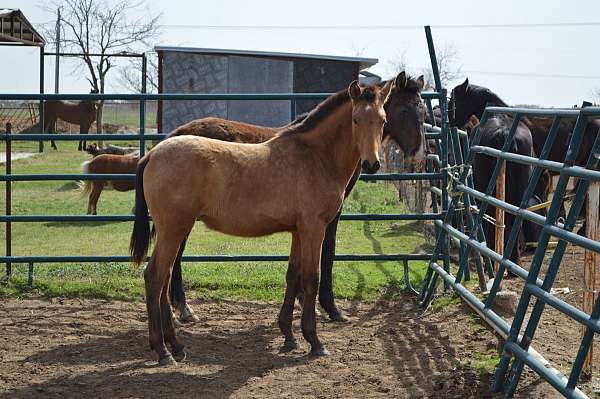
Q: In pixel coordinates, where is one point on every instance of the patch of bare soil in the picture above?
(558, 336)
(94, 348)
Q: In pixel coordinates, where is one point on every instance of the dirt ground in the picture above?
(94, 348)
(558, 336)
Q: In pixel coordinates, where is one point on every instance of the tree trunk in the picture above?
(99, 125)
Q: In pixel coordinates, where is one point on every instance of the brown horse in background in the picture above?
(405, 112)
(81, 113)
(107, 163)
(294, 182)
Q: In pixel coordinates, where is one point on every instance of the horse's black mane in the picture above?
(490, 97)
(303, 124)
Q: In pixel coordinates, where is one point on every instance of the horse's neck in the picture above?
(334, 142)
(488, 99)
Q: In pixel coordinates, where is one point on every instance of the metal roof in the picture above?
(363, 62)
(15, 29)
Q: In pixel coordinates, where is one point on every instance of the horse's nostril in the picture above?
(376, 165)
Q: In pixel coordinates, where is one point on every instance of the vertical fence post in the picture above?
(41, 118)
(8, 199)
(501, 195)
(143, 108)
(592, 259)
(30, 275)
(292, 110)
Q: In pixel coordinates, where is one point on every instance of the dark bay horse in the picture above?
(469, 100)
(81, 113)
(294, 182)
(405, 113)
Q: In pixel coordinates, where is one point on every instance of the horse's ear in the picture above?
(354, 90)
(464, 86)
(401, 80)
(421, 82)
(386, 90)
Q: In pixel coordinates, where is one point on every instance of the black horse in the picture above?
(468, 100)
(405, 113)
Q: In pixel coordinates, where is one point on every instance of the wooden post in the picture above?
(592, 259)
(501, 195)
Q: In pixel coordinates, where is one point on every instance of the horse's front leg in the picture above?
(326, 297)
(311, 240)
(82, 144)
(52, 143)
(292, 286)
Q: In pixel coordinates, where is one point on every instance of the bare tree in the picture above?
(447, 60)
(130, 74)
(102, 27)
(397, 64)
(595, 93)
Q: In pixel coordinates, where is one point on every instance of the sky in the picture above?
(529, 52)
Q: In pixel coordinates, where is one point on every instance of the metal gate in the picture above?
(463, 197)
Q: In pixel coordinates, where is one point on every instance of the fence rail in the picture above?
(519, 335)
(8, 178)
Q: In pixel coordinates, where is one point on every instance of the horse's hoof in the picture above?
(289, 345)
(179, 356)
(176, 322)
(318, 352)
(167, 360)
(187, 315)
(338, 316)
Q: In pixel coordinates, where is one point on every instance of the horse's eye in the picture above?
(355, 121)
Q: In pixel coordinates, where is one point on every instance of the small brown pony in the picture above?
(294, 182)
(107, 163)
(82, 113)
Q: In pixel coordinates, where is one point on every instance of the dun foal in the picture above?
(294, 182)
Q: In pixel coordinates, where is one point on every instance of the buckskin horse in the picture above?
(81, 113)
(294, 182)
(469, 99)
(405, 113)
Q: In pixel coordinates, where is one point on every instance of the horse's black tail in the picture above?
(140, 236)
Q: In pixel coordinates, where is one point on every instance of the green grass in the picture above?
(258, 280)
(484, 362)
(128, 118)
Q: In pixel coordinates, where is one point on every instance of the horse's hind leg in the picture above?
(156, 277)
(287, 309)
(311, 240)
(97, 187)
(177, 293)
(168, 325)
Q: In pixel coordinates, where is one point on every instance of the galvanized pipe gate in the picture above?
(452, 192)
(463, 197)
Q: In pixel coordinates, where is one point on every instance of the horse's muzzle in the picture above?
(369, 168)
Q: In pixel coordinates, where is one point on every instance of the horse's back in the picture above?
(238, 189)
(224, 130)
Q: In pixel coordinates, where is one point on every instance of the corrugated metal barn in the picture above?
(201, 70)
